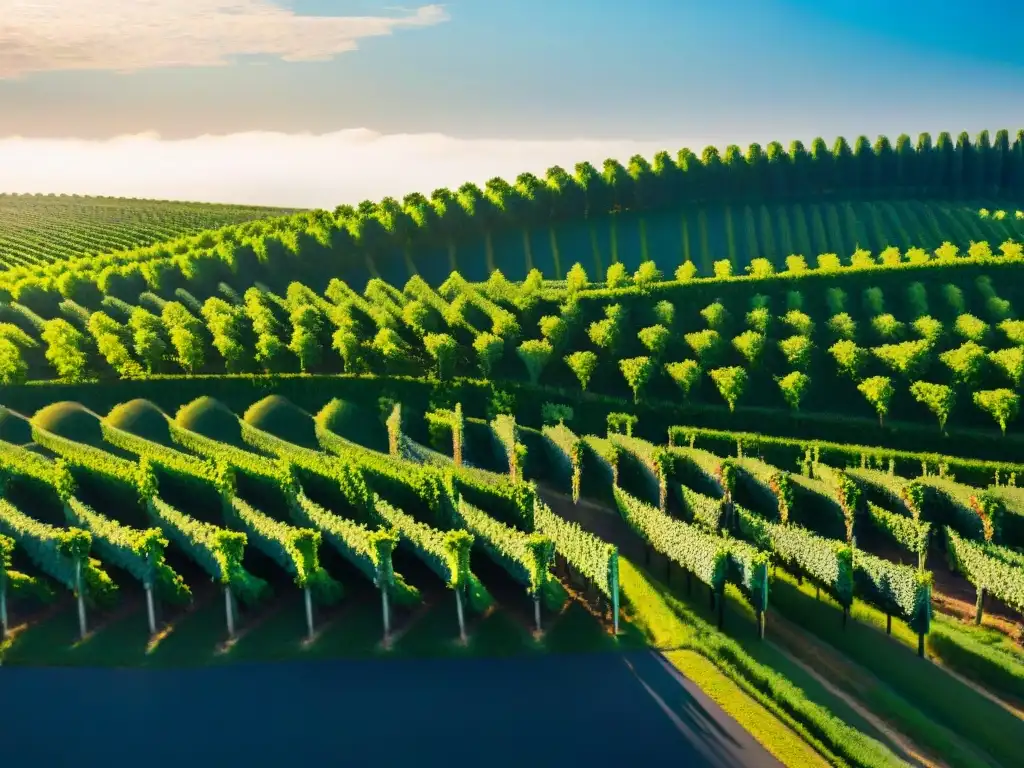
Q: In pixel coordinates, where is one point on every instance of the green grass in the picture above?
(924, 693)
(984, 655)
(760, 699)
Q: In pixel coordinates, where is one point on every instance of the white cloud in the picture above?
(299, 170)
(131, 35)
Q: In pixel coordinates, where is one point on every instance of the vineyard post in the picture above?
(309, 611)
(3, 603)
(536, 610)
(229, 612)
(458, 608)
(920, 644)
(81, 598)
(387, 613)
(150, 612)
(888, 623)
(979, 605)
(615, 598)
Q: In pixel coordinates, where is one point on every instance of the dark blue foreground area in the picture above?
(587, 710)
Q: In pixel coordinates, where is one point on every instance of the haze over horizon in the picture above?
(313, 103)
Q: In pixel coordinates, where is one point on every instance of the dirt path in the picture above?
(904, 746)
(814, 657)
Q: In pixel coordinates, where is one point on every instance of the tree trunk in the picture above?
(81, 599)
(556, 257)
(846, 613)
(920, 644)
(229, 612)
(386, 613)
(888, 623)
(760, 624)
(711, 597)
(453, 263)
(4, 628)
(150, 611)
(309, 612)
(527, 250)
(462, 618)
(613, 231)
(536, 611)
(979, 605)
(596, 252)
(409, 265)
(489, 251)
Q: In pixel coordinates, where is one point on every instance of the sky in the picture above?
(319, 102)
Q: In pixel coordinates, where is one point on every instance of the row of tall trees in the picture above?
(946, 168)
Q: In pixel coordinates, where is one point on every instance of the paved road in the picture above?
(591, 710)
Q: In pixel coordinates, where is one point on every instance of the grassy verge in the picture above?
(925, 693)
(984, 655)
(760, 700)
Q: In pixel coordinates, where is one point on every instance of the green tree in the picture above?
(65, 349)
(1003, 405)
(909, 358)
(489, 349)
(797, 350)
(967, 362)
(617, 276)
(1011, 362)
(305, 341)
(655, 338)
(942, 166)
(878, 391)
(731, 383)
(686, 374)
(923, 178)
(576, 280)
(937, 398)
(647, 274)
(442, 348)
(637, 371)
(849, 358)
(13, 368)
(583, 364)
(705, 344)
(750, 344)
(793, 387)
(148, 338)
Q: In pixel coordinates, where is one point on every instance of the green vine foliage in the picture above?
(897, 589)
(55, 552)
(907, 533)
(997, 570)
(772, 483)
(566, 451)
(829, 563)
(217, 550)
(748, 569)
(296, 550)
(705, 512)
(140, 553)
(978, 515)
(527, 557)
(703, 554)
(368, 550)
(595, 559)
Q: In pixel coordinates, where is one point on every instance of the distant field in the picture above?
(40, 229)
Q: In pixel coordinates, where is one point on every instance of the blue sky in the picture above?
(676, 71)
(569, 68)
